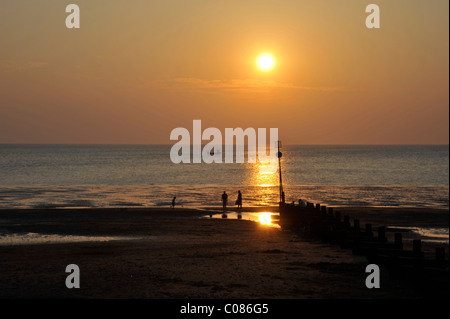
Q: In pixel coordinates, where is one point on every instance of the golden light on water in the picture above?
(266, 182)
(263, 175)
(265, 218)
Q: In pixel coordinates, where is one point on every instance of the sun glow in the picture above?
(265, 218)
(265, 62)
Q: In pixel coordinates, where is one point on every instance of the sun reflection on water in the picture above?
(266, 182)
(262, 175)
(265, 219)
(262, 218)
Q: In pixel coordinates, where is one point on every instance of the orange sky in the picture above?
(138, 69)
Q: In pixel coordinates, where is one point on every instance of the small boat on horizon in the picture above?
(213, 153)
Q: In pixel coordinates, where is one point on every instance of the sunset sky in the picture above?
(137, 69)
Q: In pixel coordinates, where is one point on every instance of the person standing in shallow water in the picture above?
(224, 200)
(173, 202)
(239, 200)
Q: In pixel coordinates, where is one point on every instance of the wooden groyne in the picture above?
(323, 223)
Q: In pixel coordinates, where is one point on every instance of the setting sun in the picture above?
(265, 62)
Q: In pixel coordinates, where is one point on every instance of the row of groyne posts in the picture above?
(323, 223)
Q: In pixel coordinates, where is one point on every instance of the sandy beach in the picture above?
(164, 253)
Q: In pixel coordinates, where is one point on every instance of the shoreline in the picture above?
(203, 196)
(395, 219)
(427, 217)
(175, 254)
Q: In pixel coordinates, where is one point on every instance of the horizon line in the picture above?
(162, 144)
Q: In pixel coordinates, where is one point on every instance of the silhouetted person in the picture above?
(224, 200)
(239, 200)
(173, 202)
(301, 203)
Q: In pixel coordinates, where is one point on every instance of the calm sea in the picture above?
(40, 176)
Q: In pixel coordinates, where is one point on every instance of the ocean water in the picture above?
(46, 176)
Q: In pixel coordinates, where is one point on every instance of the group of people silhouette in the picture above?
(225, 200)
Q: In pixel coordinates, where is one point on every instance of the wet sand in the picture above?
(178, 254)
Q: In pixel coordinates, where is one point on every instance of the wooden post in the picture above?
(417, 246)
(382, 233)
(338, 216)
(356, 225)
(318, 206)
(398, 241)
(346, 221)
(369, 230)
(440, 254)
